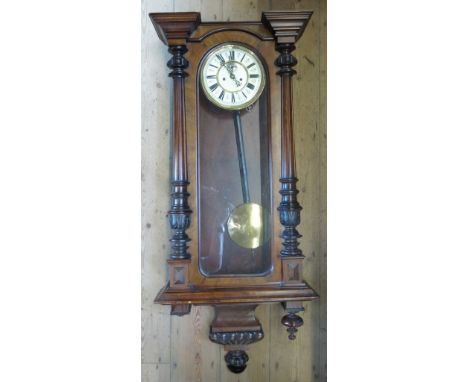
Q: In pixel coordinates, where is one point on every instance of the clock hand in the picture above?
(241, 156)
(232, 75)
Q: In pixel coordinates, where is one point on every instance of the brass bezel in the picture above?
(208, 94)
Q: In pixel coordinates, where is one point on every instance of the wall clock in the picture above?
(234, 209)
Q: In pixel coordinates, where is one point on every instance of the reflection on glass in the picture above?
(234, 190)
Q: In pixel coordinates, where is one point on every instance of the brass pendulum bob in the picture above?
(245, 223)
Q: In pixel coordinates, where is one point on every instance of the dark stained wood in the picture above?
(231, 318)
(178, 273)
(292, 321)
(235, 327)
(179, 214)
(289, 208)
(292, 270)
(235, 297)
(196, 52)
(175, 28)
(256, 28)
(286, 26)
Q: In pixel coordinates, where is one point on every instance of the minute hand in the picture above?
(232, 75)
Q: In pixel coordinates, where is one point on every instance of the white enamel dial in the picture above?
(232, 77)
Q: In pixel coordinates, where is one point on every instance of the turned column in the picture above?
(179, 214)
(287, 27)
(289, 208)
(174, 29)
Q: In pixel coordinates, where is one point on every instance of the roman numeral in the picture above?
(251, 86)
(242, 58)
(221, 96)
(220, 58)
(252, 76)
(244, 95)
(213, 87)
(231, 55)
(212, 77)
(214, 66)
(233, 99)
(252, 64)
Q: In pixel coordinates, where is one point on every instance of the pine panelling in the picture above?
(154, 195)
(187, 5)
(156, 335)
(263, 5)
(211, 10)
(194, 357)
(283, 4)
(321, 343)
(240, 10)
(283, 352)
(155, 372)
(177, 349)
(306, 120)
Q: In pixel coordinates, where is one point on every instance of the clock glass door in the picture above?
(234, 185)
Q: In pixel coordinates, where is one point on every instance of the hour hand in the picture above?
(229, 68)
(235, 80)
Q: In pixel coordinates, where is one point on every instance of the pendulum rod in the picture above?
(241, 156)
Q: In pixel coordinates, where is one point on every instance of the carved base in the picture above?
(235, 318)
(235, 326)
(236, 338)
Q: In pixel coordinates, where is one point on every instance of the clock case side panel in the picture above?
(197, 51)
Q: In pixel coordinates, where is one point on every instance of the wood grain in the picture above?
(155, 372)
(211, 10)
(321, 338)
(155, 86)
(308, 150)
(240, 10)
(193, 356)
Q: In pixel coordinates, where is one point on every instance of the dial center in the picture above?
(232, 76)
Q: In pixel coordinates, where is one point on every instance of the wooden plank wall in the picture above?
(177, 349)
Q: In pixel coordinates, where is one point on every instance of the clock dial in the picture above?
(232, 77)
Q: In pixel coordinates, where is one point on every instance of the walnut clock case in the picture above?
(234, 207)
